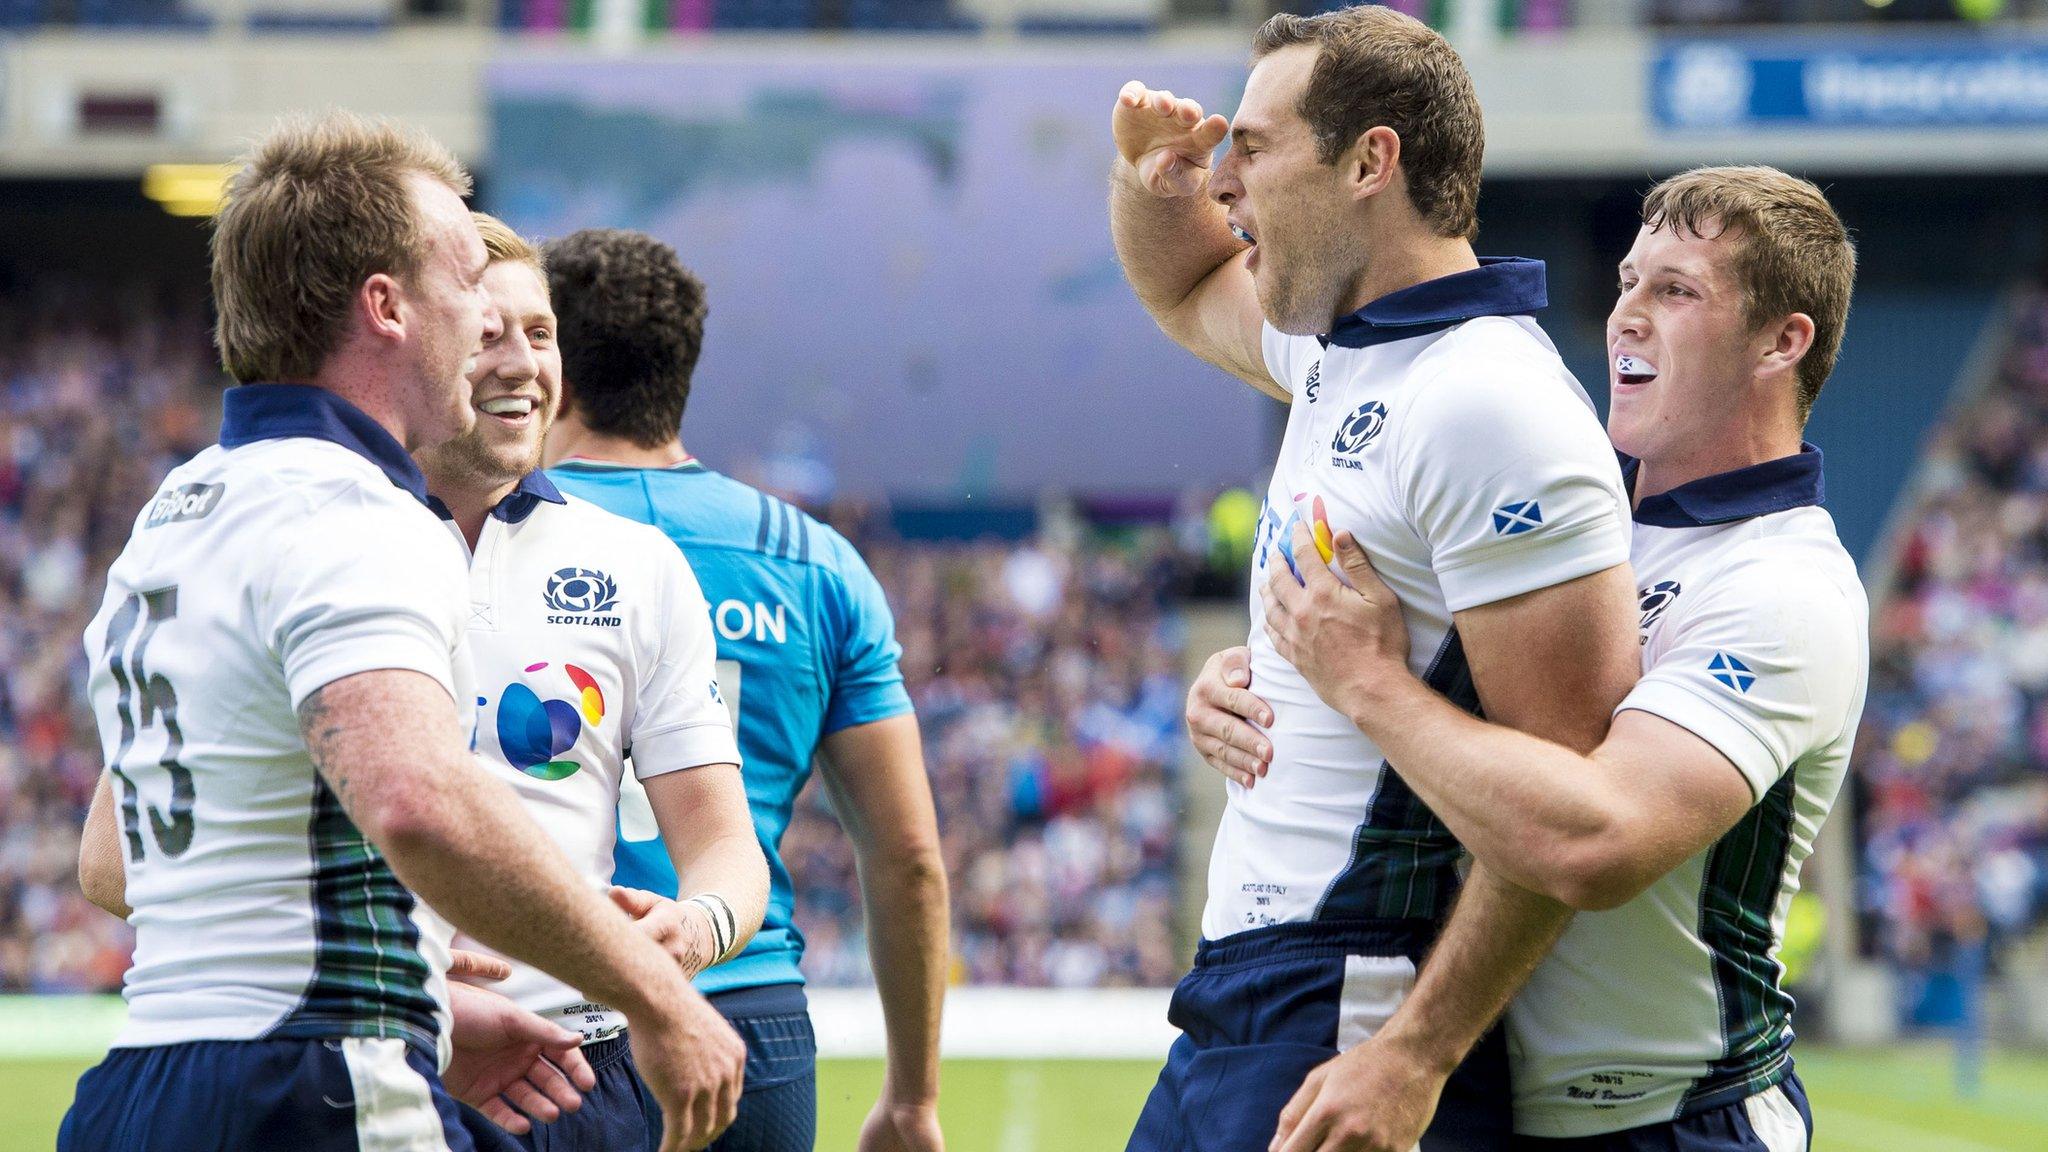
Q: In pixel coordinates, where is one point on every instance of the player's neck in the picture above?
(571, 439)
(468, 504)
(1658, 474)
(1407, 263)
(361, 385)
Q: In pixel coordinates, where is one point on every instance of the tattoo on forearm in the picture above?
(319, 728)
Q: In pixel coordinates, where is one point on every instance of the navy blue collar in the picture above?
(518, 504)
(253, 412)
(1500, 286)
(1758, 490)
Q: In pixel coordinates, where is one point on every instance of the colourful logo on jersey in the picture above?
(1318, 530)
(532, 732)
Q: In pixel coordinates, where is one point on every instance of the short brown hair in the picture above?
(630, 320)
(1793, 254)
(320, 205)
(506, 246)
(1377, 67)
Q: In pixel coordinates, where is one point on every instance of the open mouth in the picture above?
(511, 409)
(1633, 370)
(1247, 238)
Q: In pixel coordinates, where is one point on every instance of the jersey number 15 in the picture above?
(146, 699)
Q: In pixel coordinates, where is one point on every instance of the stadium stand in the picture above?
(1051, 719)
(101, 392)
(1954, 812)
(1048, 682)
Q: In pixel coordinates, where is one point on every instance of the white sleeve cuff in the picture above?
(1706, 719)
(687, 746)
(1503, 573)
(339, 661)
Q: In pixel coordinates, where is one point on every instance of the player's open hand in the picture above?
(1370, 1099)
(1166, 138)
(510, 1064)
(693, 1062)
(682, 930)
(1221, 713)
(1344, 636)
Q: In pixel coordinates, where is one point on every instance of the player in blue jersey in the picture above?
(807, 661)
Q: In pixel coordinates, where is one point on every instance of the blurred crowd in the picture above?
(1953, 758)
(1047, 680)
(1045, 671)
(100, 394)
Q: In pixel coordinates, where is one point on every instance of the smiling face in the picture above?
(1682, 353)
(513, 391)
(1284, 201)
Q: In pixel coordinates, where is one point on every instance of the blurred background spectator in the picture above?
(1954, 812)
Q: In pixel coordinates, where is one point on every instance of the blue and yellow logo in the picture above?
(532, 732)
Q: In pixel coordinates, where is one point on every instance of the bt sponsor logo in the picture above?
(533, 733)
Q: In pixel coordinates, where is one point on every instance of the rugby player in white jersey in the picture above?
(277, 680)
(1327, 261)
(1659, 1021)
(590, 642)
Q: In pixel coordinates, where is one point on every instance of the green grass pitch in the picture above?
(1886, 1100)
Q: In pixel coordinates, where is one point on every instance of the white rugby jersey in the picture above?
(295, 553)
(591, 642)
(1756, 639)
(1440, 428)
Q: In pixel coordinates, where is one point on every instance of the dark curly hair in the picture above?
(631, 323)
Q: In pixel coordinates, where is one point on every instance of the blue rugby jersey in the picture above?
(806, 647)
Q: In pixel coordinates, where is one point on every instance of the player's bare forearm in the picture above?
(1515, 801)
(876, 778)
(1188, 269)
(387, 745)
(1167, 245)
(101, 874)
(1553, 663)
(709, 833)
(1496, 936)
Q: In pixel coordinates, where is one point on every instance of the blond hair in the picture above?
(320, 205)
(508, 247)
(1375, 66)
(1792, 252)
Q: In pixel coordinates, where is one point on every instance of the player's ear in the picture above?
(1374, 158)
(380, 304)
(1783, 345)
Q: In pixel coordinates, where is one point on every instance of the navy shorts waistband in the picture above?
(1317, 938)
(608, 1051)
(762, 1000)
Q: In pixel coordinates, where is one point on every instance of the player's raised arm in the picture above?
(1175, 241)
